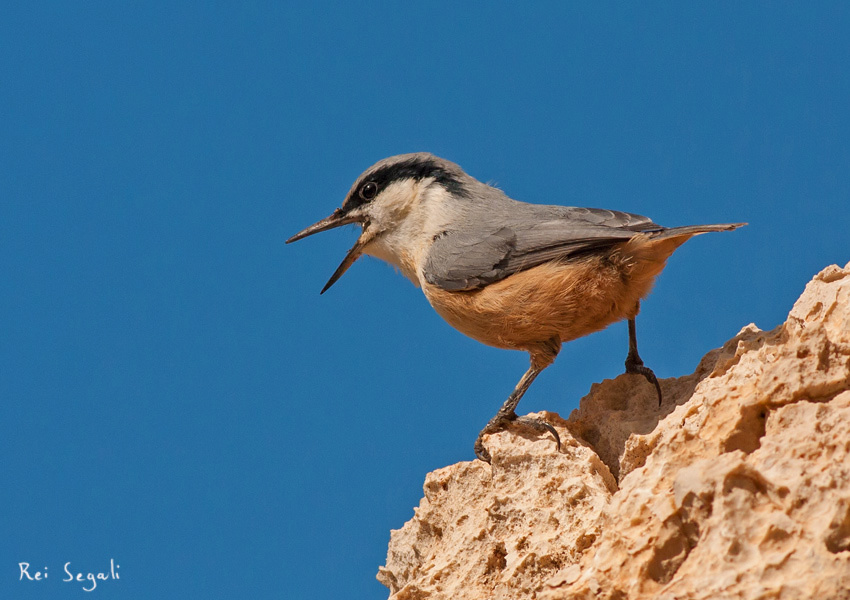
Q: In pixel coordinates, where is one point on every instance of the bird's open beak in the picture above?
(337, 219)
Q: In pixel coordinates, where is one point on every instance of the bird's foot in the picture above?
(500, 421)
(635, 366)
(541, 426)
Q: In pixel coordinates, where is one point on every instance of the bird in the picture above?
(509, 274)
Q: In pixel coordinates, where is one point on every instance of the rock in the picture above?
(738, 486)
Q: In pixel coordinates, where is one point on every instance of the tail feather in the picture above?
(650, 251)
(693, 230)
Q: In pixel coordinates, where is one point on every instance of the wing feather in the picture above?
(494, 247)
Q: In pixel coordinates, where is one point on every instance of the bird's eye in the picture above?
(369, 190)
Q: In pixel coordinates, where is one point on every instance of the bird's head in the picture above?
(387, 199)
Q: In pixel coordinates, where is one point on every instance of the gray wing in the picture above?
(499, 243)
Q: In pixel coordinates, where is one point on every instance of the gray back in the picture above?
(493, 236)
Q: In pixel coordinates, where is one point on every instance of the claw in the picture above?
(541, 425)
(480, 451)
(633, 362)
(496, 423)
(636, 367)
(500, 423)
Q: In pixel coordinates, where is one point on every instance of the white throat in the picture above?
(407, 216)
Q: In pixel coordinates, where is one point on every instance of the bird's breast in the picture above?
(400, 253)
(553, 300)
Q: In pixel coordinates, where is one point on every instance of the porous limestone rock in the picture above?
(500, 529)
(737, 487)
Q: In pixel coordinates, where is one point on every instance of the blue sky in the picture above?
(176, 395)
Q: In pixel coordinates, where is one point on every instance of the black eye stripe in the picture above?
(416, 168)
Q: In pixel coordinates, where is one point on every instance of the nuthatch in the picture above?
(508, 274)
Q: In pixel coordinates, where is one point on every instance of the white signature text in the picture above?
(87, 580)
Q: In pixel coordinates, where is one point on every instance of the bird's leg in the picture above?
(506, 414)
(635, 365)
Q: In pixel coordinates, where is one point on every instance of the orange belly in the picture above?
(562, 301)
